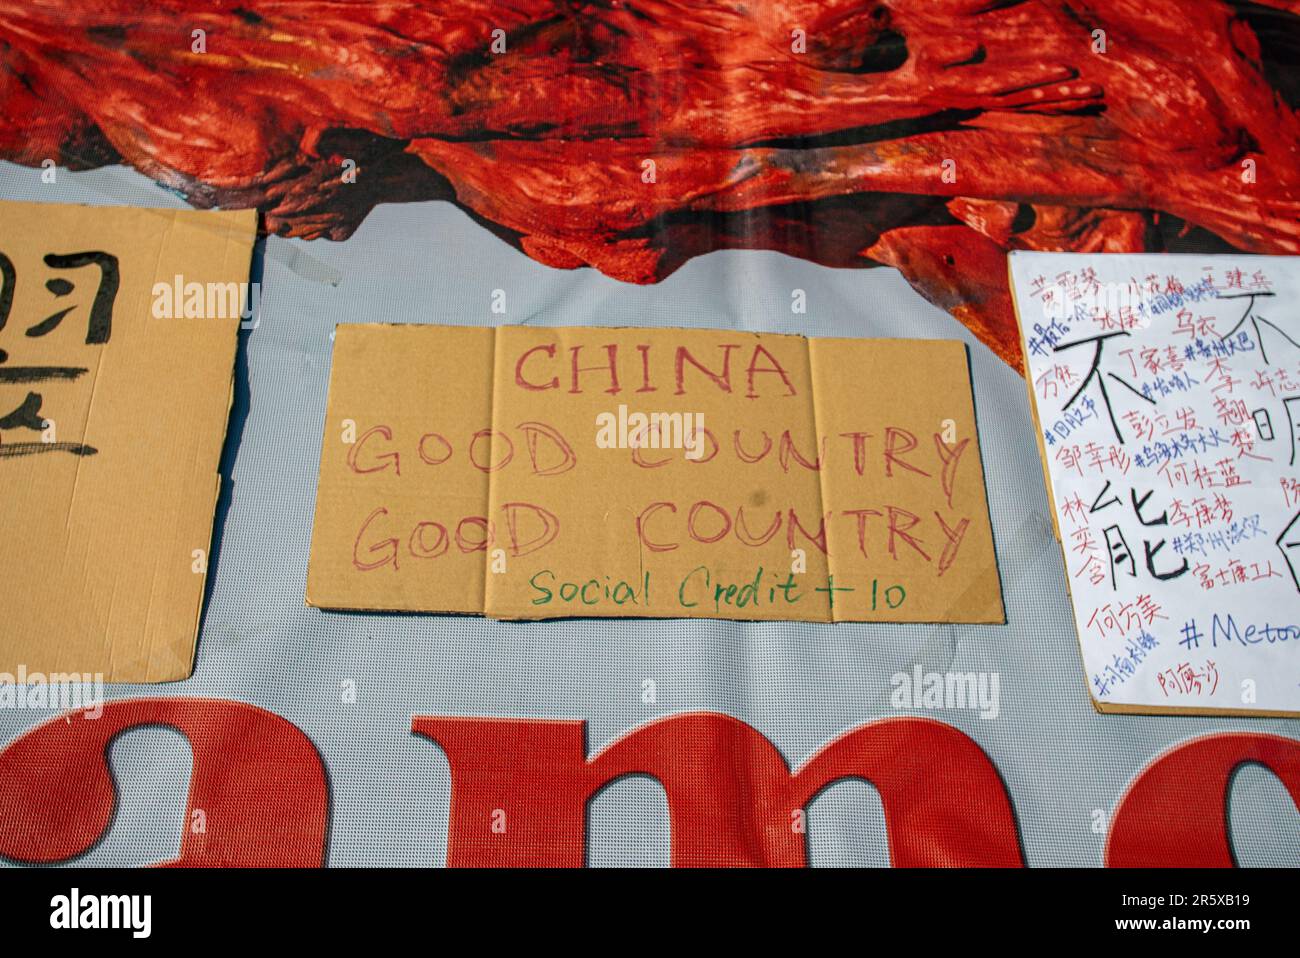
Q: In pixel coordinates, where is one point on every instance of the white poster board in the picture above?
(1166, 390)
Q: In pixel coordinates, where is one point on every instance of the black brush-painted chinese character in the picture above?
(1094, 372)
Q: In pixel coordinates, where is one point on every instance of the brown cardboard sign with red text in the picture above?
(535, 473)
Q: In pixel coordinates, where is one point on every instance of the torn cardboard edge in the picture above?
(328, 576)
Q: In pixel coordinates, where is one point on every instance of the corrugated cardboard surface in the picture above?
(815, 480)
(800, 684)
(104, 555)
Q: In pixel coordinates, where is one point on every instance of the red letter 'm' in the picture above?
(520, 790)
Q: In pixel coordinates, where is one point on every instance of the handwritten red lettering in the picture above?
(488, 434)
(643, 520)
(549, 350)
(387, 458)
(722, 380)
(611, 366)
(388, 544)
(893, 454)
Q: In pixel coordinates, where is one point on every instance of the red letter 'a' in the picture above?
(257, 778)
(1175, 813)
(520, 790)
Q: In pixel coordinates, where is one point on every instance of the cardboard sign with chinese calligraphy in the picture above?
(117, 344)
(537, 473)
(1167, 396)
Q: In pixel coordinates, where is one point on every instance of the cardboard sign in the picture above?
(536, 473)
(1167, 392)
(117, 344)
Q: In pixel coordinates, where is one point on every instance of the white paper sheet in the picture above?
(1167, 392)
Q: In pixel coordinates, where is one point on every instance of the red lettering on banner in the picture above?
(261, 786)
(1174, 814)
(944, 802)
(257, 778)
